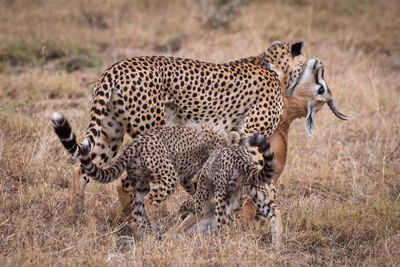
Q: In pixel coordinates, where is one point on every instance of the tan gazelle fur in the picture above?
(297, 107)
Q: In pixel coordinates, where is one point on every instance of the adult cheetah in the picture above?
(137, 94)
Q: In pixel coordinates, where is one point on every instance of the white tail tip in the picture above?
(85, 142)
(56, 117)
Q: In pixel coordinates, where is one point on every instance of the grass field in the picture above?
(341, 201)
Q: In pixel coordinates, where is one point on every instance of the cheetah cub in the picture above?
(155, 161)
(228, 172)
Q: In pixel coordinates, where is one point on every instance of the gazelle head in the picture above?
(313, 88)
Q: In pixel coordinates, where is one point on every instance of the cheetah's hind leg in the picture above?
(79, 182)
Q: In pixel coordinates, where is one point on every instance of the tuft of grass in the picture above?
(78, 63)
(21, 51)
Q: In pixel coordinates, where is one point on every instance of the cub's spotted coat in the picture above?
(160, 158)
(227, 171)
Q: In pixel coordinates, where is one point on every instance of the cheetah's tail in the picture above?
(102, 175)
(64, 132)
(262, 142)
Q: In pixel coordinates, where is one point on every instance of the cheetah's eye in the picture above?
(321, 90)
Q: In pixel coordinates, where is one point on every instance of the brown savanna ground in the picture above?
(341, 201)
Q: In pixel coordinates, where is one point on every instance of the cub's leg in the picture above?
(125, 191)
(163, 183)
(189, 183)
(79, 182)
(198, 205)
(138, 221)
(221, 207)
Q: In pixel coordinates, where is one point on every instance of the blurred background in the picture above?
(96, 32)
(342, 187)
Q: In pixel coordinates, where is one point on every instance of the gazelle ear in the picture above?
(297, 48)
(310, 118)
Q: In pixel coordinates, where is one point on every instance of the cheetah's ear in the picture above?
(310, 118)
(297, 48)
(274, 43)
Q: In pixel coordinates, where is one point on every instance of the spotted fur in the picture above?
(226, 172)
(160, 158)
(138, 94)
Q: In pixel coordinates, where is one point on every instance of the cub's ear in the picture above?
(297, 48)
(234, 138)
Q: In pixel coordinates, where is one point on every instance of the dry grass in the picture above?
(341, 202)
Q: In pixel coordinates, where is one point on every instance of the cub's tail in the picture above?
(102, 175)
(264, 147)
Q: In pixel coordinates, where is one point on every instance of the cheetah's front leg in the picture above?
(264, 198)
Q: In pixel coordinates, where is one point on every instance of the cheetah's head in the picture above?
(291, 58)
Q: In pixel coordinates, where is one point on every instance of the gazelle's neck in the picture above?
(297, 107)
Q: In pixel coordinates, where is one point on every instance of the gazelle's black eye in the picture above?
(321, 90)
